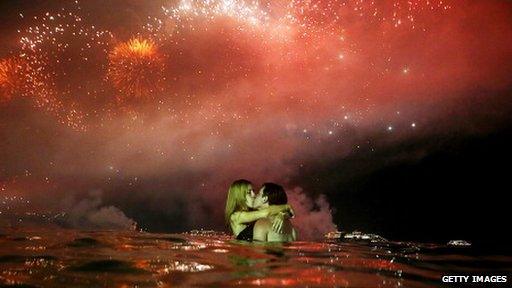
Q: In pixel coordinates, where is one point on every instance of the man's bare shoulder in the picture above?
(261, 229)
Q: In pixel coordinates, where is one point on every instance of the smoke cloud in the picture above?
(313, 216)
(91, 213)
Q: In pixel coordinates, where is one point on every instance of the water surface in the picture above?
(71, 258)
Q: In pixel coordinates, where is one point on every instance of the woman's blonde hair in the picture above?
(236, 200)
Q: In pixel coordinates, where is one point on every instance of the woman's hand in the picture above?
(290, 211)
(277, 223)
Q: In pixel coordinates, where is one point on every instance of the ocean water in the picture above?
(70, 258)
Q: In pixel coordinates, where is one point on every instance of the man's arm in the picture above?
(261, 229)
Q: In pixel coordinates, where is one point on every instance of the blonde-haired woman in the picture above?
(238, 217)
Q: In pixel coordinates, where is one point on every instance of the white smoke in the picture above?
(313, 217)
(91, 213)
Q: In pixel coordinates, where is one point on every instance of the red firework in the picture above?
(136, 69)
(13, 73)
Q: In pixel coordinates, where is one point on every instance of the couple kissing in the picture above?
(259, 216)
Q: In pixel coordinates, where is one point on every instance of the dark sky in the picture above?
(392, 115)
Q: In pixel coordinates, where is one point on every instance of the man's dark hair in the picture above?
(275, 194)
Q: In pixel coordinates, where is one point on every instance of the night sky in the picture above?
(391, 117)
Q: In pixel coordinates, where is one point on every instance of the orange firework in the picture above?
(12, 77)
(136, 68)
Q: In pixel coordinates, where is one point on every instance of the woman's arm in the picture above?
(276, 209)
(248, 216)
(251, 216)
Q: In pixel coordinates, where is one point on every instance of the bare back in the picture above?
(263, 231)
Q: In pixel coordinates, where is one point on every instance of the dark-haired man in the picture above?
(272, 194)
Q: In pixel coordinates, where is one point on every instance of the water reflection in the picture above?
(64, 258)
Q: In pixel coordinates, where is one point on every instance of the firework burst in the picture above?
(12, 77)
(59, 47)
(136, 68)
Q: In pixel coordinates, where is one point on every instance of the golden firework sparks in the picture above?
(12, 77)
(136, 68)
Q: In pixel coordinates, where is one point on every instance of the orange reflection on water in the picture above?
(141, 264)
(310, 276)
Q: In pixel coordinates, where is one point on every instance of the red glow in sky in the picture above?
(243, 89)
